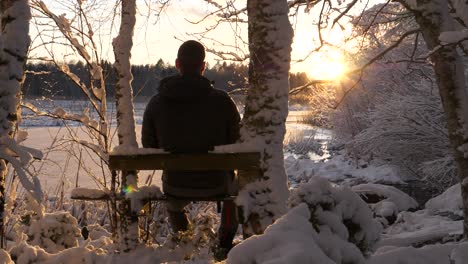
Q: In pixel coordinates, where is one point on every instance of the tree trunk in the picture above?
(14, 41)
(433, 18)
(129, 231)
(266, 109)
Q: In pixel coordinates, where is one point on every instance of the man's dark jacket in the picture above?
(189, 116)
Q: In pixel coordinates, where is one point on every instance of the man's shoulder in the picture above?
(220, 94)
(155, 100)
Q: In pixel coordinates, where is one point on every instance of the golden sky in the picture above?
(160, 38)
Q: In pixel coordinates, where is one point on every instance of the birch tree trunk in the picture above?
(14, 45)
(266, 109)
(433, 18)
(129, 231)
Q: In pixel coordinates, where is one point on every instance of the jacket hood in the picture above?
(184, 88)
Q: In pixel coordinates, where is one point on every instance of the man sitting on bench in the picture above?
(189, 116)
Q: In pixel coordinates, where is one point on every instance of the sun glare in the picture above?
(328, 65)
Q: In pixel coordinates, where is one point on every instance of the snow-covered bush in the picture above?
(291, 239)
(54, 231)
(393, 112)
(337, 214)
(385, 201)
(408, 130)
(396, 116)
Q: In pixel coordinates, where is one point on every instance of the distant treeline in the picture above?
(45, 80)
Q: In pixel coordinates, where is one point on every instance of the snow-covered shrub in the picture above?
(54, 231)
(442, 172)
(408, 130)
(385, 201)
(337, 213)
(291, 239)
(397, 117)
(393, 111)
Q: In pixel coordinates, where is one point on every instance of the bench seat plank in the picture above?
(106, 197)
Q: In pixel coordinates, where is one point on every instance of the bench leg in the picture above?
(229, 224)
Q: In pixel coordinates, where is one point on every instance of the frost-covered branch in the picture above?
(61, 114)
(95, 94)
(381, 54)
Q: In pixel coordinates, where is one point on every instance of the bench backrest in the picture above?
(199, 161)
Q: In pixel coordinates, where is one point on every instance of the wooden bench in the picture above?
(247, 164)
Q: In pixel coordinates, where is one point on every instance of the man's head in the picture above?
(191, 58)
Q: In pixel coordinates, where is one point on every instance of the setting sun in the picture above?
(328, 65)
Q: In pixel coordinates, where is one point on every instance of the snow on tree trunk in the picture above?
(434, 18)
(266, 109)
(14, 44)
(125, 120)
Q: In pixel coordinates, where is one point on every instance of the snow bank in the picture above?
(339, 169)
(289, 240)
(385, 201)
(100, 251)
(448, 201)
(433, 254)
(339, 211)
(419, 228)
(403, 201)
(25, 254)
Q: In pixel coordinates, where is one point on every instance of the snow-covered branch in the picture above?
(61, 114)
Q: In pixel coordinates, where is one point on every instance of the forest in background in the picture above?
(45, 80)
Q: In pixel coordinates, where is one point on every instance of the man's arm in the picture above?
(233, 122)
(148, 130)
